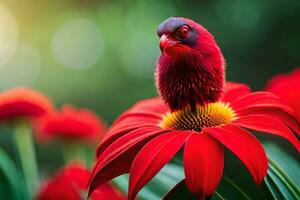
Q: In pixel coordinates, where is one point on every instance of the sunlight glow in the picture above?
(78, 44)
(9, 33)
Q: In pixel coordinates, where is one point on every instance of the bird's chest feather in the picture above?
(182, 80)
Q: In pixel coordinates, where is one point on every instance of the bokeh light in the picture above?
(9, 32)
(23, 68)
(78, 44)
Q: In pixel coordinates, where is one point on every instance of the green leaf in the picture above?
(283, 176)
(273, 193)
(156, 189)
(11, 181)
(180, 191)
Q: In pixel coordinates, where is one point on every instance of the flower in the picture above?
(71, 183)
(70, 124)
(285, 86)
(22, 103)
(147, 136)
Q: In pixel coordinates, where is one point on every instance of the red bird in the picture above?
(191, 69)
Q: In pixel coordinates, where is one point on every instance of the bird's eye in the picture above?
(183, 32)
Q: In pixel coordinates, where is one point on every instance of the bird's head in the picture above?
(181, 37)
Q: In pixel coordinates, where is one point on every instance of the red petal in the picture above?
(23, 102)
(288, 119)
(125, 143)
(154, 107)
(66, 184)
(153, 157)
(144, 114)
(137, 121)
(233, 91)
(286, 87)
(70, 124)
(245, 146)
(122, 129)
(203, 164)
(268, 125)
(260, 99)
(117, 158)
(107, 192)
(138, 115)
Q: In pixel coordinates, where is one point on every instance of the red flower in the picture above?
(285, 86)
(71, 124)
(147, 136)
(23, 102)
(70, 183)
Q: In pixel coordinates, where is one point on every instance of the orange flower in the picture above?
(22, 103)
(71, 124)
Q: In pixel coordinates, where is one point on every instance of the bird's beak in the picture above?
(166, 42)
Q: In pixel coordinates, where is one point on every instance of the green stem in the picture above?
(26, 151)
(73, 152)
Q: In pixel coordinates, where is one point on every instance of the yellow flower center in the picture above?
(209, 115)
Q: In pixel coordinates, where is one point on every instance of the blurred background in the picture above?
(101, 54)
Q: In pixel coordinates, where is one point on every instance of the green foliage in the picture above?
(283, 174)
(11, 181)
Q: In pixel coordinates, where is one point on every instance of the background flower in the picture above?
(19, 103)
(70, 183)
(71, 124)
(18, 106)
(286, 87)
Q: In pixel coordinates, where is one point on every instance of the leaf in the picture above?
(164, 181)
(180, 191)
(12, 185)
(283, 175)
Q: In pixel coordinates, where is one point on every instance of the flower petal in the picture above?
(268, 125)
(153, 107)
(285, 86)
(23, 102)
(153, 157)
(234, 90)
(127, 141)
(139, 116)
(245, 146)
(120, 130)
(203, 164)
(260, 99)
(146, 113)
(287, 118)
(118, 157)
(107, 192)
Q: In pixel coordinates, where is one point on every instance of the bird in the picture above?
(191, 68)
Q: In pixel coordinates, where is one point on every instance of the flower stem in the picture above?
(26, 151)
(73, 153)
